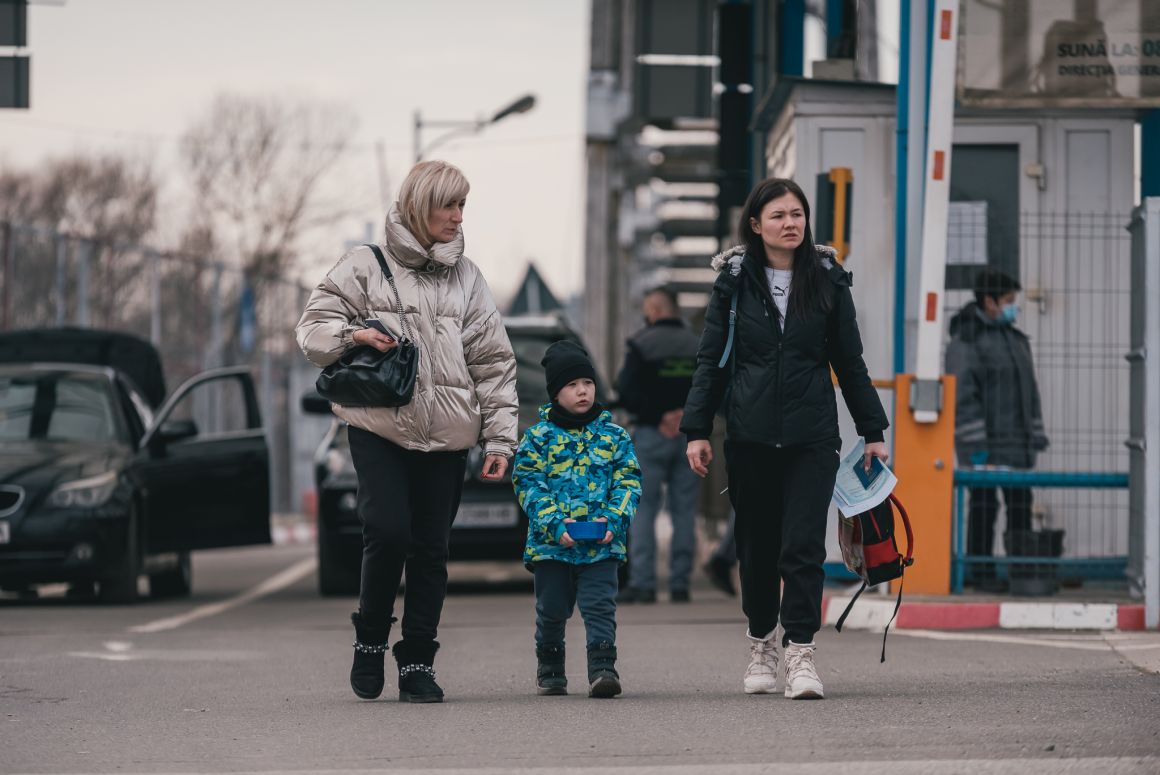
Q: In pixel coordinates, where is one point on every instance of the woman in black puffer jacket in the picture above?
(795, 320)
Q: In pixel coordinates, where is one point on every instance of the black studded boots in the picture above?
(370, 648)
(416, 660)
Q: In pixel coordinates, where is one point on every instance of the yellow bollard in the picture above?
(841, 177)
(924, 462)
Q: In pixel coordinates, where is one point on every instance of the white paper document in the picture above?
(851, 495)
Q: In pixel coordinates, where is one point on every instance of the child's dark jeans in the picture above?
(560, 586)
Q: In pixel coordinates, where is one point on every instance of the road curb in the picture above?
(873, 614)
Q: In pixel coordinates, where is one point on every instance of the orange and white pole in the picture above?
(924, 416)
(925, 402)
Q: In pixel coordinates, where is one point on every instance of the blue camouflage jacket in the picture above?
(581, 474)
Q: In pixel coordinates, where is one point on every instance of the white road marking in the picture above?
(162, 655)
(1078, 642)
(107, 656)
(118, 651)
(1021, 640)
(1047, 765)
(267, 587)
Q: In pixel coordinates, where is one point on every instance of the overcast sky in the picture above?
(131, 75)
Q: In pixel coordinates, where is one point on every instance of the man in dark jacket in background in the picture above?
(653, 385)
(998, 417)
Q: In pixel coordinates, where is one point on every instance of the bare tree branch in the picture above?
(256, 167)
(107, 202)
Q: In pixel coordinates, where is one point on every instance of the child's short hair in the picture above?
(993, 283)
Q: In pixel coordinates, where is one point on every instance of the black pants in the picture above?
(981, 515)
(782, 500)
(407, 501)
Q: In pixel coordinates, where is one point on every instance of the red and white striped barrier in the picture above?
(871, 614)
(294, 533)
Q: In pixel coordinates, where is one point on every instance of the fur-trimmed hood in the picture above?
(718, 262)
(733, 257)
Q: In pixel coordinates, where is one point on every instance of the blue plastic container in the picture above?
(587, 531)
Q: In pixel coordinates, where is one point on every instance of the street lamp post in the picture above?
(522, 105)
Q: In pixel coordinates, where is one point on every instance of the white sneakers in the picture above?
(801, 677)
(761, 675)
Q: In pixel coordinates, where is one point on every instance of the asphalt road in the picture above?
(250, 675)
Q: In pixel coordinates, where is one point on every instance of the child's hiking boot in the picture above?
(416, 659)
(370, 648)
(761, 675)
(550, 678)
(801, 677)
(603, 680)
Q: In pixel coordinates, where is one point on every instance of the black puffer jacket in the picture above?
(781, 392)
(659, 362)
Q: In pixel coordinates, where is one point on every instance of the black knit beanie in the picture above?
(564, 362)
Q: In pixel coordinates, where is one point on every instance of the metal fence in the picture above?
(199, 313)
(1076, 276)
(1144, 441)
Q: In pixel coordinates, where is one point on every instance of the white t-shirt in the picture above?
(779, 283)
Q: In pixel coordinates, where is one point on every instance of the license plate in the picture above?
(487, 515)
(5, 532)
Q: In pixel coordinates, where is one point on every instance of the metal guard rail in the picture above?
(983, 477)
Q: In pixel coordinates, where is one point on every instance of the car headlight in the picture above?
(339, 463)
(84, 493)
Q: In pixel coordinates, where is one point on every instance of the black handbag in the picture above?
(365, 376)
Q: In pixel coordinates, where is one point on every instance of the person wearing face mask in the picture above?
(998, 419)
(793, 320)
(410, 461)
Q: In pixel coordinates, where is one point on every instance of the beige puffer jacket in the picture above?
(466, 389)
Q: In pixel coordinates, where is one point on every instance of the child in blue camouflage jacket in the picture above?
(575, 465)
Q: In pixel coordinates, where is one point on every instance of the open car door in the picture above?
(205, 466)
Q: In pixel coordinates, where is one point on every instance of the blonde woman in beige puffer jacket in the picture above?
(411, 460)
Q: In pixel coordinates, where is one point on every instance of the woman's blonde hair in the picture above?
(428, 185)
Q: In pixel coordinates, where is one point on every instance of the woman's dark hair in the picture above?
(810, 290)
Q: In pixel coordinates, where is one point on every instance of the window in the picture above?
(56, 406)
(137, 410)
(216, 406)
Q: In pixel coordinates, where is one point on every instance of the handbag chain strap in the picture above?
(394, 288)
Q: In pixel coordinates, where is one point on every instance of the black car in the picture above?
(489, 525)
(103, 479)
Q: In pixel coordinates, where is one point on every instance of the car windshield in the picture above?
(55, 406)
